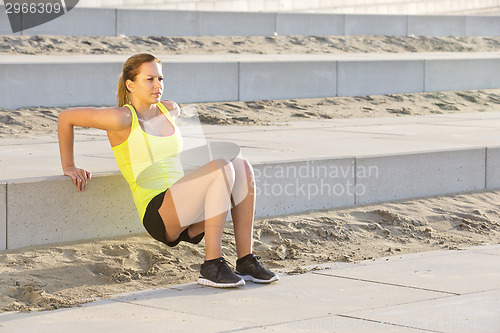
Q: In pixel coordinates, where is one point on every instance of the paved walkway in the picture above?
(441, 291)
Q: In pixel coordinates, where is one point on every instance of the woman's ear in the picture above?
(130, 85)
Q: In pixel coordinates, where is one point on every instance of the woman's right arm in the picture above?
(108, 119)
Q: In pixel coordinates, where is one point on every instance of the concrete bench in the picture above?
(92, 80)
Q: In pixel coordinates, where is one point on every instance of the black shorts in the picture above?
(153, 222)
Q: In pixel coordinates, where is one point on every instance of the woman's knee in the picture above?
(227, 168)
(243, 167)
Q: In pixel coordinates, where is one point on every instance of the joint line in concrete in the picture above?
(389, 284)
(486, 168)
(7, 216)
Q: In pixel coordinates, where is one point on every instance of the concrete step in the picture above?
(83, 80)
(114, 22)
(298, 167)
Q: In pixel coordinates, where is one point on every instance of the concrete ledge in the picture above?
(298, 186)
(237, 24)
(376, 25)
(113, 22)
(3, 216)
(50, 210)
(79, 22)
(357, 78)
(310, 24)
(287, 79)
(386, 178)
(436, 25)
(482, 26)
(92, 80)
(173, 23)
(461, 74)
(106, 208)
(493, 167)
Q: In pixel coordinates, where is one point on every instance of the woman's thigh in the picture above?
(184, 202)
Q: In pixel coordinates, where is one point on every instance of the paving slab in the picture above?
(110, 316)
(453, 272)
(475, 312)
(3, 216)
(292, 298)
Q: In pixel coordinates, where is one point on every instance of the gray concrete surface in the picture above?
(114, 22)
(313, 164)
(83, 80)
(3, 216)
(440, 291)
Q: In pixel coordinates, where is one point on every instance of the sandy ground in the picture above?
(42, 44)
(50, 277)
(54, 276)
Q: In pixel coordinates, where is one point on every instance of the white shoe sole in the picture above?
(208, 283)
(255, 280)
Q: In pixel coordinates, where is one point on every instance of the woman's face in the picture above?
(148, 84)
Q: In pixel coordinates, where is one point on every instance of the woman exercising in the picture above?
(173, 207)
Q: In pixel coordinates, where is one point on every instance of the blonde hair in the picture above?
(129, 72)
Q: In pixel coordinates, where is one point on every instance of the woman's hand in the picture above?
(79, 176)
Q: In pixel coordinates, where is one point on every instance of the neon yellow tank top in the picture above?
(150, 164)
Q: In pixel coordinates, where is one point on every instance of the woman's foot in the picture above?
(216, 273)
(250, 269)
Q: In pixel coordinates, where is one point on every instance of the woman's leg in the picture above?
(243, 211)
(205, 192)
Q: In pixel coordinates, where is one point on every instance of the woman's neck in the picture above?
(144, 111)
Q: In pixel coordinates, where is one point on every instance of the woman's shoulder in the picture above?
(172, 107)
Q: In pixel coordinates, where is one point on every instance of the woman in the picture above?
(172, 206)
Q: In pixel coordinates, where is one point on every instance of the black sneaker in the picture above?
(216, 273)
(250, 269)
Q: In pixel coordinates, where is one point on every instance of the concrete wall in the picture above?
(287, 79)
(63, 214)
(106, 208)
(114, 22)
(3, 216)
(456, 74)
(376, 77)
(91, 81)
(493, 167)
(291, 187)
(415, 175)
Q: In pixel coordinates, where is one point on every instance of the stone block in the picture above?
(157, 23)
(462, 74)
(298, 186)
(191, 82)
(287, 79)
(403, 176)
(237, 24)
(376, 25)
(310, 24)
(482, 25)
(57, 212)
(59, 84)
(79, 22)
(380, 77)
(492, 167)
(3, 216)
(434, 25)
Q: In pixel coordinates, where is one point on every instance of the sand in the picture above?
(42, 44)
(63, 275)
(51, 277)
